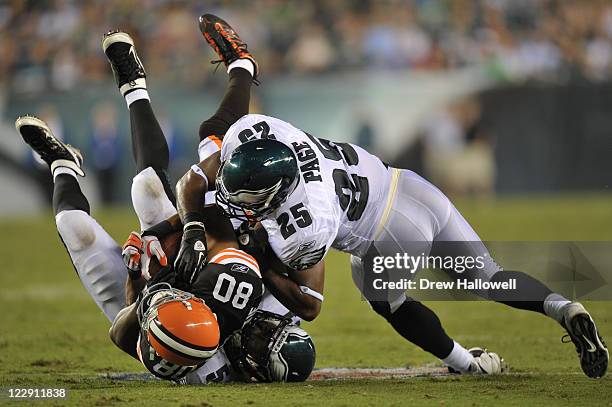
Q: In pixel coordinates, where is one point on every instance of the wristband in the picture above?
(312, 293)
(195, 168)
(194, 225)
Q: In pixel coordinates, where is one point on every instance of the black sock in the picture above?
(529, 294)
(234, 105)
(418, 324)
(149, 145)
(67, 195)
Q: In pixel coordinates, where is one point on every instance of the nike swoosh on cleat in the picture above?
(592, 348)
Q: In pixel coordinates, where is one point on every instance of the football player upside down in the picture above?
(214, 325)
(193, 332)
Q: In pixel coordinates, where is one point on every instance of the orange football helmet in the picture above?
(179, 326)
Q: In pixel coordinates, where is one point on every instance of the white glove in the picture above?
(138, 251)
(151, 247)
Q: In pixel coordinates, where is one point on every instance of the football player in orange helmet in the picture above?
(156, 326)
(180, 326)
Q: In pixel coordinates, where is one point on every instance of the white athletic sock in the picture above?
(459, 359)
(136, 95)
(244, 63)
(553, 304)
(64, 170)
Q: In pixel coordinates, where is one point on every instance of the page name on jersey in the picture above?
(310, 167)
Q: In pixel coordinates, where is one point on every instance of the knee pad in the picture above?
(149, 198)
(76, 229)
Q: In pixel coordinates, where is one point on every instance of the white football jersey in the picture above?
(337, 203)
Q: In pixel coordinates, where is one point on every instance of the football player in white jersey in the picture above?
(309, 195)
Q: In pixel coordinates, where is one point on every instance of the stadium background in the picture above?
(502, 103)
(480, 96)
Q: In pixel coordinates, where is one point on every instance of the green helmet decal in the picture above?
(293, 356)
(273, 349)
(256, 179)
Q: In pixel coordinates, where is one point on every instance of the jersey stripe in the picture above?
(208, 147)
(232, 257)
(238, 260)
(228, 256)
(216, 140)
(246, 257)
(241, 253)
(237, 252)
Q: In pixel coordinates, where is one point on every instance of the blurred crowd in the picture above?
(55, 44)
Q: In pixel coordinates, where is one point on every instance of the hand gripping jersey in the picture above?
(338, 202)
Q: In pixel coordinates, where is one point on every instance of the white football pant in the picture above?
(419, 220)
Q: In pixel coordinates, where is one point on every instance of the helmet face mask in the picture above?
(246, 197)
(237, 205)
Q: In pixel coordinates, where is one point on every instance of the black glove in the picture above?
(253, 239)
(191, 257)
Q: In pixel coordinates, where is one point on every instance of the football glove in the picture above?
(151, 247)
(137, 254)
(191, 257)
(131, 253)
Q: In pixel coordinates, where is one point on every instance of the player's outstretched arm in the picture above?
(300, 291)
(191, 189)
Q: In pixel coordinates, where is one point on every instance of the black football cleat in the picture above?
(590, 346)
(127, 68)
(225, 41)
(37, 134)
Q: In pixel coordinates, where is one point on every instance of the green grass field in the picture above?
(52, 334)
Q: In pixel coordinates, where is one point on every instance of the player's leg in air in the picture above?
(95, 255)
(421, 219)
(152, 195)
(242, 70)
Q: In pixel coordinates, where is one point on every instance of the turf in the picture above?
(52, 334)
